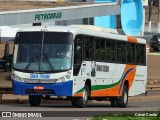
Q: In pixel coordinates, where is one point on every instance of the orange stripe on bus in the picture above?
(78, 94)
(130, 77)
(132, 39)
(105, 92)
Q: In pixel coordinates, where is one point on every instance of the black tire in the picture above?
(34, 100)
(114, 102)
(122, 101)
(159, 48)
(73, 101)
(6, 68)
(82, 101)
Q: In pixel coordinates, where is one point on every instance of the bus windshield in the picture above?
(43, 51)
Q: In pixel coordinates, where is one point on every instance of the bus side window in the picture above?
(113, 50)
(121, 52)
(77, 54)
(123, 46)
(143, 53)
(140, 54)
(88, 48)
(103, 52)
(98, 49)
(133, 53)
(108, 50)
(128, 52)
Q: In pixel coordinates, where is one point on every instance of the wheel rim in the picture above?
(85, 96)
(125, 97)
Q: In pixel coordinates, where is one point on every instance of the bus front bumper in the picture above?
(56, 89)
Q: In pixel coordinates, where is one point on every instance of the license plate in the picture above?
(40, 76)
(38, 87)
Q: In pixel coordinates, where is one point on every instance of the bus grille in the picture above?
(39, 80)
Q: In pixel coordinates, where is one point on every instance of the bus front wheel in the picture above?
(123, 100)
(82, 101)
(73, 101)
(34, 100)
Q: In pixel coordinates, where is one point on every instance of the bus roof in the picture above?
(81, 29)
(96, 28)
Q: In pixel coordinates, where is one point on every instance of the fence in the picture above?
(152, 28)
(152, 85)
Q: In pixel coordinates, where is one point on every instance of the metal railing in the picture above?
(152, 28)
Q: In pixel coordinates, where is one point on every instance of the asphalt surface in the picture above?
(64, 110)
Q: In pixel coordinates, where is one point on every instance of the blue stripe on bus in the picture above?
(123, 78)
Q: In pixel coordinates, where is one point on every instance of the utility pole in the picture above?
(158, 17)
(150, 13)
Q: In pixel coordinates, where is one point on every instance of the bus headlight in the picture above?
(62, 79)
(17, 78)
(67, 76)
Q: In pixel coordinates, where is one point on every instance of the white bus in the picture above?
(79, 62)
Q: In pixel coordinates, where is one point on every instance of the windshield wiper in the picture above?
(48, 61)
(34, 59)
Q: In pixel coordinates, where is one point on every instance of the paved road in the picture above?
(65, 110)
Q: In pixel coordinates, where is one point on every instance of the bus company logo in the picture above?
(102, 68)
(6, 114)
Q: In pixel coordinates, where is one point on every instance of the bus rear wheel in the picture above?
(122, 101)
(82, 101)
(34, 100)
(114, 102)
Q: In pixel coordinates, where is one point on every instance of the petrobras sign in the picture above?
(48, 16)
(145, 2)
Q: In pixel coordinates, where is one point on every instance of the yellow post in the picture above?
(60, 1)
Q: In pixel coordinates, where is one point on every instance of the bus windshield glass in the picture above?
(43, 51)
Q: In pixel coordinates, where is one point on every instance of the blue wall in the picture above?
(105, 21)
